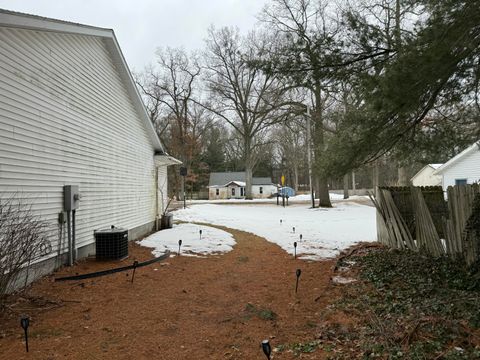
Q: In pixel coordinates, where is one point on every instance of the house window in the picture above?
(217, 192)
(242, 191)
(460, 181)
(233, 191)
(261, 190)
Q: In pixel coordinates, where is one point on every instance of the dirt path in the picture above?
(218, 307)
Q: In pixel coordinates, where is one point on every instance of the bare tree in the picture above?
(291, 145)
(241, 94)
(307, 42)
(169, 89)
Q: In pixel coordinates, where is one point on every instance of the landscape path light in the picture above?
(179, 245)
(298, 273)
(267, 350)
(293, 229)
(24, 323)
(295, 250)
(135, 264)
(200, 234)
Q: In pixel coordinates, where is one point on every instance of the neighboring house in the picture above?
(231, 185)
(461, 169)
(426, 177)
(70, 114)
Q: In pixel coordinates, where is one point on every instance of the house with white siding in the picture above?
(70, 114)
(231, 185)
(426, 176)
(461, 169)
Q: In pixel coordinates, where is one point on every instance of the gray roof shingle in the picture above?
(221, 178)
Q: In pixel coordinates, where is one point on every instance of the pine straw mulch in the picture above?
(370, 302)
(216, 307)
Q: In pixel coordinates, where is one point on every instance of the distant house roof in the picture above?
(433, 166)
(238, 183)
(223, 178)
(474, 147)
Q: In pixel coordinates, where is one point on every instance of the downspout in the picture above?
(156, 198)
(74, 244)
(69, 233)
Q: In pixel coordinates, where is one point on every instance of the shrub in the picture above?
(23, 241)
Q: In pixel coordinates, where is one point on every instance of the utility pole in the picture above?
(183, 173)
(309, 158)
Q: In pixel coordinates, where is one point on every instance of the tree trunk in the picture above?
(402, 176)
(248, 182)
(375, 176)
(316, 187)
(345, 186)
(182, 188)
(295, 178)
(323, 194)
(319, 146)
(248, 167)
(354, 184)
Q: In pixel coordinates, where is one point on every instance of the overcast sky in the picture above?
(143, 25)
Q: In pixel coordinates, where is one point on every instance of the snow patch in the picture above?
(343, 280)
(325, 232)
(213, 240)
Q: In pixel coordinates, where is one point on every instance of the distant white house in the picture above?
(426, 176)
(70, 114)
(461, 169)
(231, 185)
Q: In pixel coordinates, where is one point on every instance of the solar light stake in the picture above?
(301, 236)
(267, 350)
(24, 322)
(135, 264)
(295, 249)
(200, 234)
(280, 221)
(298, 273)
(293, 229)
(179, 244)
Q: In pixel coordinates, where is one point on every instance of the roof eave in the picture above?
(452, 161)
(32, 22)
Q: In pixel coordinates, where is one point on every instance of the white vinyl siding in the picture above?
(66, 118)
(162, 189)
(467, 167)
(425, 177)
(267, 191)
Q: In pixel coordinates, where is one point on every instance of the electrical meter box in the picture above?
(71, 197)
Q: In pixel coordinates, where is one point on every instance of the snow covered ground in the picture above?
(324, 231)
(212, 241)
(293, 199)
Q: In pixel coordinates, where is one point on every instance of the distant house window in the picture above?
(233, 191)
(261, 190)
(242, 191)
(460, 181)
(217, 192)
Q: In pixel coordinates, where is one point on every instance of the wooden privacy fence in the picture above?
(419, 219)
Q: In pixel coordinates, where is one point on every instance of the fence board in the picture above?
(432, 220)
